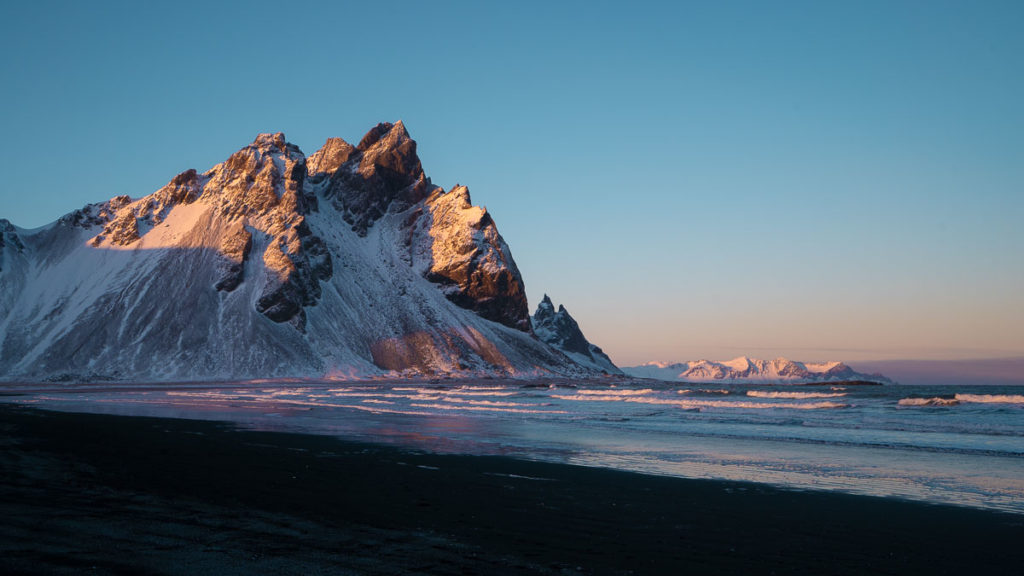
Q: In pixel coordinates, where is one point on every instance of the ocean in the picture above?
(946, 444)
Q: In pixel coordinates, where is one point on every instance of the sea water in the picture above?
(946, 444)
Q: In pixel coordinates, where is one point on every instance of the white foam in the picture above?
(617, 393)
(928, 402)
(991, 398)
(688, 403)
(486, 409)
(793, 395)
(458, 392)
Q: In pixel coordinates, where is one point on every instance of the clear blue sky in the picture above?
(811, 179)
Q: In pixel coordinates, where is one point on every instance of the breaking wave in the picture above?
(794, 395)
(616, 393)
(937, 401)
(485, 409)
(694, 403)
(991, 398)
(958, 399)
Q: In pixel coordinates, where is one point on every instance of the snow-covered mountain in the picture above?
(560, 330)
(348, 263)
(743, 369)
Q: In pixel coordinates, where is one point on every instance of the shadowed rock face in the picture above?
(380, 175)
(268, 264)
(8, 237)
(235, 246)
(560, 330)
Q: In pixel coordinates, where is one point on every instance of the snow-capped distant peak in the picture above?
(745, 369)
(739, 364)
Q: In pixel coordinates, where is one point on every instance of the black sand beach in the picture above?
(96, 494)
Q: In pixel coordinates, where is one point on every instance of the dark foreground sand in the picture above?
(108, 494)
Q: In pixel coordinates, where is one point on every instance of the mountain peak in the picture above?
(383, 174)
(274, 264)
(745, 369)
(267, 140)
(545, 312)
(330, 157)
(561, 331)
(385, 133)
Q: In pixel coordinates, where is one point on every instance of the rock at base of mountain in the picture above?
(560, 330)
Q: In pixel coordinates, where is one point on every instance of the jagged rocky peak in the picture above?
(10, 233)
(471, 260)
(273, 264)
(326, 161)
(382, 174)
(263, 185)
(8, 237)
(260, 177)
(267, 141)
(560, 330)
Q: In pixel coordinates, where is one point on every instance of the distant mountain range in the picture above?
(743, 369)
(349, 263)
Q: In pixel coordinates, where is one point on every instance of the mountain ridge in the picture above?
(348, 263)
(744, 369)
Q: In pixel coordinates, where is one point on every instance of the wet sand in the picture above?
(96, 494)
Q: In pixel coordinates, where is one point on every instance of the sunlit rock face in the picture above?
(470, 259)
(560, 330)
(348, 262)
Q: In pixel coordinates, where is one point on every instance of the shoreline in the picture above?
(166, 496)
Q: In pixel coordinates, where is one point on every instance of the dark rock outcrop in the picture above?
(8, 237)
(560, 330)
(235, 246)
(381, 174)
